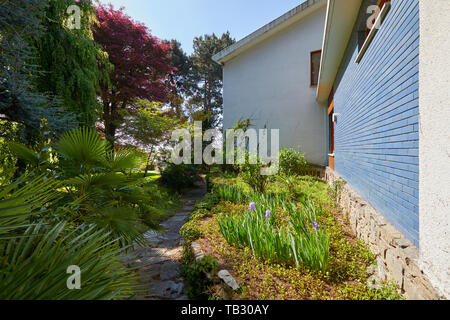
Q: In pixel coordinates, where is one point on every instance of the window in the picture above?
(370, 26)
(315, 67)
(380, 5)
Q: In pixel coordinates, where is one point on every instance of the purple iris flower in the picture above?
(268, 214)
(316, 225)
(252, 206)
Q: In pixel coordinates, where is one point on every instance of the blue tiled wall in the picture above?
(376, 137)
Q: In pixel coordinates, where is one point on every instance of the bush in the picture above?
(292, 162)
(198, 275)
(208, 202)
(251, 174)
(179, 177)
(191, 230)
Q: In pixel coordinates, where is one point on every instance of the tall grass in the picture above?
(298, 243)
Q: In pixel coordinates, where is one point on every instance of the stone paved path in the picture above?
(159, 262)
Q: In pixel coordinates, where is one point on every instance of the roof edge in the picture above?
(292, 16)
(340, 21)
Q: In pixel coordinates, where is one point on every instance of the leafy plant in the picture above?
(251, 173)
(179, 177)
(36, 249)
(300, 244)
(233, 194)
(198, 275)
(191, 231)
(292, 162)
(336, 189)
(97, 185)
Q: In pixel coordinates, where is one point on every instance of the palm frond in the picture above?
(123, 223)
(23, 152)
(97, 180)
(123, 159)
(22, 198)
(83, 146)
(35, 266)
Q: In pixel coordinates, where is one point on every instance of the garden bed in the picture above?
(349, 262)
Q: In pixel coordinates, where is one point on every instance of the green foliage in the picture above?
(292, 162)
(97, 185)
(386, 291)
(21, 101)
(260, 264)
(205, 79)
(250, 172)
(300, 244)
(148, 123)
(208, 202)
(83, 149)
(36, 249)
(233, 194)
(336, 189)
(40, 157)
(70, 59)
(300, 187)
(198, 275)
(191, 231)
(179, 177)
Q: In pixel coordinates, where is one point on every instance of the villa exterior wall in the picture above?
(270, 85)
(377, 102)
(434, 97)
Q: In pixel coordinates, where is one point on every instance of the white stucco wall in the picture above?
(434, 104)
(270, 84)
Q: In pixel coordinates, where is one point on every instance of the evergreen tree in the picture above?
(69, 57)
(206, 102)
(20, 102)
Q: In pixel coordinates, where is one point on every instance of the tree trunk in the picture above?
(110, 129)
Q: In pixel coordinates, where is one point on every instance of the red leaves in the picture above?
(141, 61)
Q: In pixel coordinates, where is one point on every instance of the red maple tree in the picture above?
(141, 63)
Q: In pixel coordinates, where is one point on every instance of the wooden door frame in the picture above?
(331, 133)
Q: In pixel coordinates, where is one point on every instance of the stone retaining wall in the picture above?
(397, 257)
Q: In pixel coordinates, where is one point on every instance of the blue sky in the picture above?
(185, 19)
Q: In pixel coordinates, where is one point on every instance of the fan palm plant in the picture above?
(95, 183)
(36, 249)
(96, 178)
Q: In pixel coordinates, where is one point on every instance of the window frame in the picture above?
(311, 81)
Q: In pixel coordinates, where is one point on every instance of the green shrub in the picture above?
(191, 230)
(198, 276)
(36, 249)
(199, 214)
(207, 202)
(179, 177)
(251, 174)
(292, 162)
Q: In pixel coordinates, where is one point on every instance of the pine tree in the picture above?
(206, 100)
